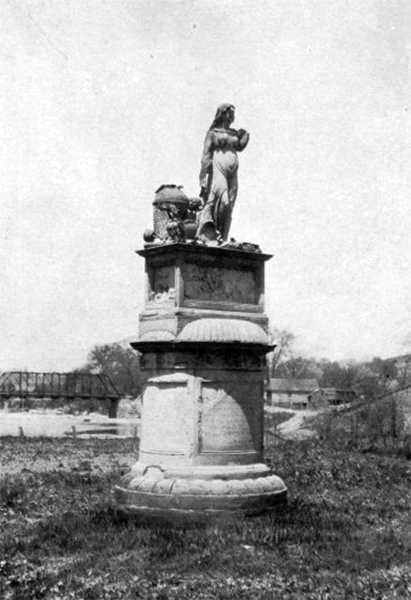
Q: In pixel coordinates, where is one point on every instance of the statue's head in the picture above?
(225, 112)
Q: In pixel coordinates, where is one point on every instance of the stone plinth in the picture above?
(186, 282)
(203, 348)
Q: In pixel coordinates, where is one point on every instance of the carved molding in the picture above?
(236, 359)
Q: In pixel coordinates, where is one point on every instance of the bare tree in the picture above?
(283, 341)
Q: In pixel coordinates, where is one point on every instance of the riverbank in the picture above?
(54, 423)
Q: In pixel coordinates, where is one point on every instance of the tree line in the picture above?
(370, 379)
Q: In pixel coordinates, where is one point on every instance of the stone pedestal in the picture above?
(203, 345)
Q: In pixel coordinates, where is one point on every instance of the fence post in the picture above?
(135, 440)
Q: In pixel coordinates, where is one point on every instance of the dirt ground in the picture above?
(294, 428)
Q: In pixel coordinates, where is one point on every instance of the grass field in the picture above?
(346, 532)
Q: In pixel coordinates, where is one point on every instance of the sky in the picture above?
(102, 101)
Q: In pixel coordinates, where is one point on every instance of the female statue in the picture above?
(218, 175)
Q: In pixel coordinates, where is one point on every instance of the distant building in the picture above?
(290, 393)
(331, 397)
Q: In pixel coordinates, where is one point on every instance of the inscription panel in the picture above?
(220, 284)
(231, 416)
(166, 424)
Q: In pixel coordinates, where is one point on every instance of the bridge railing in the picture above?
(71, 386)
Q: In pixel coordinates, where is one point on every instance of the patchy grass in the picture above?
(346, 532)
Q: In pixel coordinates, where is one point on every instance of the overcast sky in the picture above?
(102, 101)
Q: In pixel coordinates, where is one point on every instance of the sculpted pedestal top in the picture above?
(186, 282)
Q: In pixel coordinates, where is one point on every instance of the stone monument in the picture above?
(203, 342)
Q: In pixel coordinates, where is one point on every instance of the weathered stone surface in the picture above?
(197, 412)
(230, 416)
(218, 175)
(162, 284)
(203, 343)
(188, 282)
(202, 434)
(222, 331)
(200, 498)
(212, 283)
(221, 356)
(170, 323)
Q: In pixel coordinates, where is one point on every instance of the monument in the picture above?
(203, 344)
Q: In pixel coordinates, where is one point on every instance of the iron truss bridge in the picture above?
(22, 384)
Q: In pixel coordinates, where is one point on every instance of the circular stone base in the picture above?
(156, 495)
